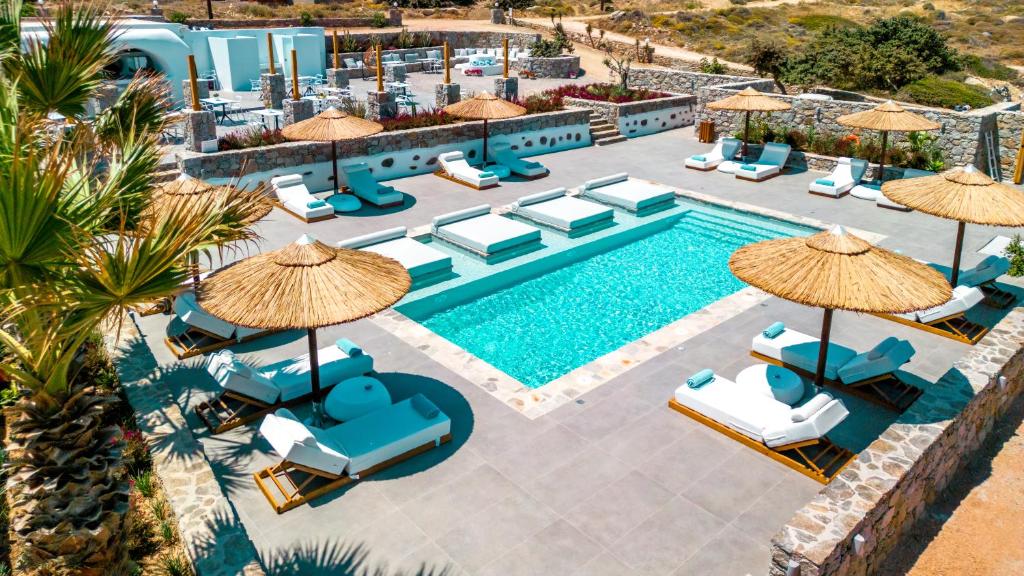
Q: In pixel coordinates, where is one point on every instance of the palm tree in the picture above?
(79, 246)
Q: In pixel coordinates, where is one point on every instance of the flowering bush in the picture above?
(606, 93)
(407, 121)
(251, 137)
(539, 103)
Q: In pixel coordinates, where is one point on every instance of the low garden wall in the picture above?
(439, 37)
(391, 154)
(394, 19)
(645, 117)
(683, 81)
(567, 66)
(858, 519)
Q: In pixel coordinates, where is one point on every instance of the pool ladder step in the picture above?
(724, 230)
(746, 226)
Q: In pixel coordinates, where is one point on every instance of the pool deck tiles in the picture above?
(589, 480)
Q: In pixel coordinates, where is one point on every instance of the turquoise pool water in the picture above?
(546, 325)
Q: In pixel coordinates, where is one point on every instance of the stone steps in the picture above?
(603, 132)
(612, 140)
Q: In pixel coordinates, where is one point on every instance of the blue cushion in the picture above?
(824, 182)
(774, 330)
(748, 167)
(316, 204)
(424, 407)
(487, 175)
(349, 347)
(699, 158)
(700, 378)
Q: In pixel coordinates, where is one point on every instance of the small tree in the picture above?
(712, 66)
(619, 66)
(1015, 252)
(768, 59)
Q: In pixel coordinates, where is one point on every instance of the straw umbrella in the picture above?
(305, 285)
(749, 100)
(887, 117)
(332, 125)
(485, 106)
(836, 270)
(963, 194)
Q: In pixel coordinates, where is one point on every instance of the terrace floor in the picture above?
(614, 483)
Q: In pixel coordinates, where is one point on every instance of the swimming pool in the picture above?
(557, 316)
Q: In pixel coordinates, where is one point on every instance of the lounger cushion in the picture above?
(964, 298)
(605, 181)
(864, 367)
(373, 238)
(285, 181)
(362, 183)
(986, 271)
(882, 348)
(489, 233)
(289, 379)
(454, 163)
(540, 197)
(291, 439)
(804, 412)
(418, 258)
(464, 214)
(502, 154)
(632, 194)
(188, 310)
(383, 434)
(566, 213)
(756, 171)
(801, 350)
(816, 426)
(838, 182)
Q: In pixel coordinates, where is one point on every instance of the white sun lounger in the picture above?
(420, 259)
(332, 457)
(771, 162)
(502, 153)
(836, 184)
(362, 183)
(294, 198)
(197, 332)
(455, 168)
(949, 319)
(553, 208)
(485, 234)
(631, 194)
(250, 393)
(794, 436)
(871, 374)
(725, 149)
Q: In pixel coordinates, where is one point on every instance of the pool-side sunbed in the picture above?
(420, 259)
(294, 198)
(847, 173)
(984, 276)
(566, 213)
(454, 167)
(725, 149)
(871, 375)
(502, 153)
(949, 319)
(631, 194)
(770, 164)
(362, 183)
(194, 331)
(796, 437)
(485, 234)
(316, 461)
(248, 394)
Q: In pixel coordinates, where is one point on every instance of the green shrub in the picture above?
(944, 93)
(544, 48)
(306, 19)
(177, 17)
(347, 43)
(167, 532)
(1015, 252)
(817, 22)
(379, 20)
(145, 484)
(988, 68)
(712, 66)
(175, 565)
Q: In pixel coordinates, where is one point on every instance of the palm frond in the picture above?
(139, 110)
(10, 28)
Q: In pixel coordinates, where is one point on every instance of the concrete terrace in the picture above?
(614, 483)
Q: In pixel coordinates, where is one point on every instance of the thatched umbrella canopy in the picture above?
(485, 106)
(888, 117)
(332, 125)
(305, 285)
(966, 195)
(836, 270)
(749, 100)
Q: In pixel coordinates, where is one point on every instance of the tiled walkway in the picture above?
(613, 483)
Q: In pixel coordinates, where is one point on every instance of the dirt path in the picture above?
(977, 527)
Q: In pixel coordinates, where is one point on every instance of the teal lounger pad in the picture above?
(699, 158)
(700, 378)
(748, 167)
(774, 330)
(824, 182)
(316, 204)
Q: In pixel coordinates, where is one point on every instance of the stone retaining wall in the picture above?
(559, 67)
(439, 37)
(395, 19)
(885, 490)
(683, 81)
(1008, 133)
(392, 154)
(646, 117)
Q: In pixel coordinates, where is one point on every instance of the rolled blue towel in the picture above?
(487, 175)
(824, 182)
(349, 347)
(316, 204)
(774, 330)
(699, 158)
(700, 378)
(748, 167)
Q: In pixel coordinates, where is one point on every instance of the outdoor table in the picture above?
(218, 102)
(270, 113)
(399, 87)
(781, 383)
(356, 397)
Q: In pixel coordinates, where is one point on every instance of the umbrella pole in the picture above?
(485, 143)
(193, 267)
(881, 161)
(334, 163)
(956, 254)
(826, 327)
(746, 135)
(314, 376)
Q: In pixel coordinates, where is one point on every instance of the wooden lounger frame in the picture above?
(304, 491)
(348, 190)
(818, 459)
(769, 177)
(713, 168)
(886, 390)
(996, 296)
(442, 174)
(190, 342)
(280, 205)
(824, 195)
(241, 410)
(956, 327)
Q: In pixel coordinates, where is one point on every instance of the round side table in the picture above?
(355, 397)
(780, 383)
(344, 202)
